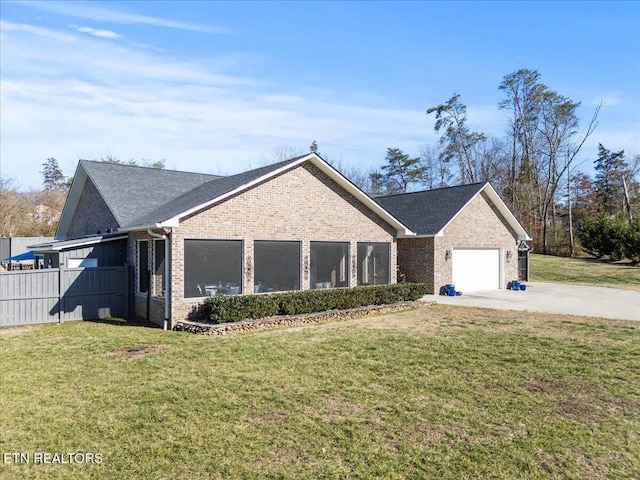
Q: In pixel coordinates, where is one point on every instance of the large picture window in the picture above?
(212, 267)
(374, 263)
(143, 266)
(329, 264)
(277, 266)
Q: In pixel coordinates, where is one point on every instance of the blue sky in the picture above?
(217, 87)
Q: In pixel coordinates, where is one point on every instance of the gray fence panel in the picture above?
(52, 295)
(94, 293)
(28, 297)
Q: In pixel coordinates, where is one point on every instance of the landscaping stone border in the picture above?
(292, 320)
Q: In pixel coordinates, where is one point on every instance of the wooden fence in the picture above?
(59, 294)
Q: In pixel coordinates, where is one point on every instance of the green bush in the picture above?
(632, 245)
(223, 309)
(609, 235)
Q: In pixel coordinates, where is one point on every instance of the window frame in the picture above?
(358, 266)
(241, 267)
(347, 266)
(85, 262)
(299, 271)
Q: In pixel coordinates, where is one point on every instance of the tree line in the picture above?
(534, 166)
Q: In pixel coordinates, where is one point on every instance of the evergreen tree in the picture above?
(401, 171)
(53, 177)
(609, 168)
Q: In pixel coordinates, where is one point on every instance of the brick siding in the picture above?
(302, 204)
(91, 215)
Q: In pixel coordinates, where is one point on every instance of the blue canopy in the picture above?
(22, 257)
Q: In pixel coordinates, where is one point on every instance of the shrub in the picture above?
(222, 308)
(607, 235)
(632, 245)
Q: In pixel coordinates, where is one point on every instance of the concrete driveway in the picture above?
(562, 298)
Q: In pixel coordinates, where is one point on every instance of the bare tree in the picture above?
(437, 169)
(458, 141)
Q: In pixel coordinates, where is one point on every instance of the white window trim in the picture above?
(82, 263)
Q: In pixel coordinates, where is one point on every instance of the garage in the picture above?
(464, 236)
(476, 269)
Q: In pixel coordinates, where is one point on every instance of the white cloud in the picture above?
(96, 32)
(72, 97)
(92, 12)
(193, 128)
(41, 32)
(608, 99)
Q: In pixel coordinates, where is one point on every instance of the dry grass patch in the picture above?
(15, 331)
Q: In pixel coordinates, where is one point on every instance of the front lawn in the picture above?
(435, 392)
(548, 268)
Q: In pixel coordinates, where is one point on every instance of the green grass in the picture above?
(435, 392)
(548, 268)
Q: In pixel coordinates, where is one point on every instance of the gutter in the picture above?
(166, 273)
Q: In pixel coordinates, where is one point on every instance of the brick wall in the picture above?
(302, 204)
(415, 260)
(91, 215)
(478, 225)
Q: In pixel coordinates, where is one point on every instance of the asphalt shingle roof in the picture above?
(427, 212)
(131, 191)
(143, 196)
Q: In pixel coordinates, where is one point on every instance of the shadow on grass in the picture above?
(607, 261)
(125, 322)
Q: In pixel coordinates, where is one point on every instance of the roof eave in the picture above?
(159, 225)
(323, 166)
(56, 246)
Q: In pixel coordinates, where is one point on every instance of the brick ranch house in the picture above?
(293, 225)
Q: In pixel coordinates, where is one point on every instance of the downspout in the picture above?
(166, 273)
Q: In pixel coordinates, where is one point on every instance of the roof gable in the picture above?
(218, 190)
(429, 212)
(128, 191)
(134, 191)
(141, 197)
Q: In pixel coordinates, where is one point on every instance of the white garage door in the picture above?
(476, 269)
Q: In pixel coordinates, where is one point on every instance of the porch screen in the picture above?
(212, 267)
(329, 264)
(277, 266)
(158, 267)
(374, 263)
(143, 266)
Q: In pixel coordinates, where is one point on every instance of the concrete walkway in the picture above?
(561, 298)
